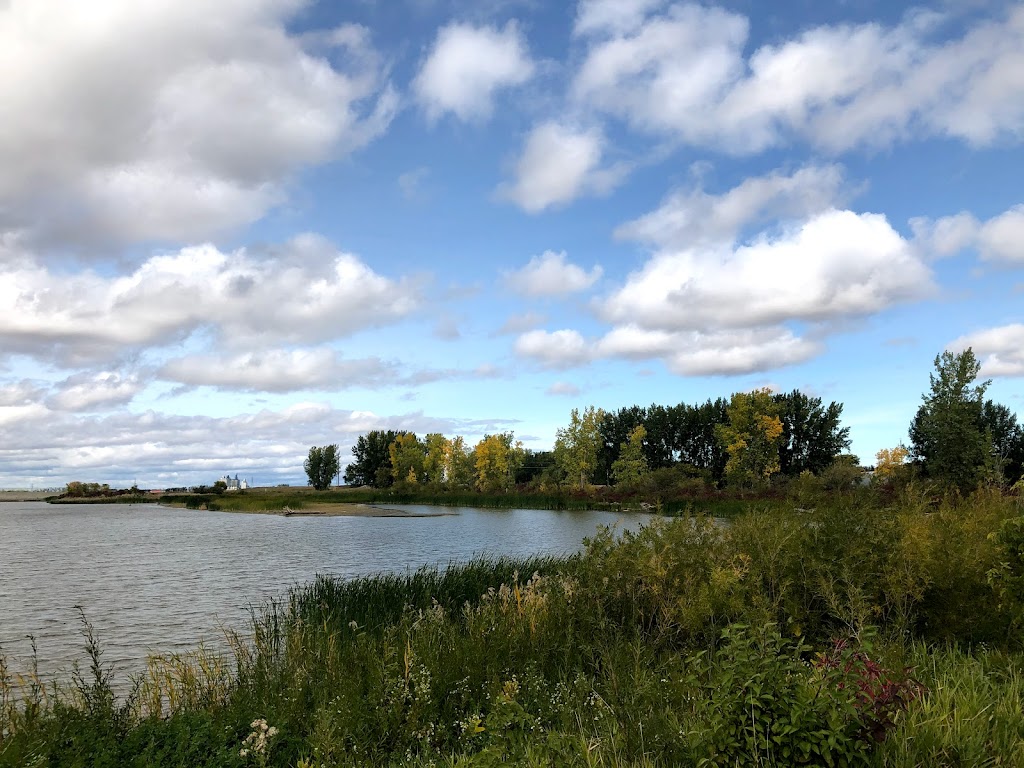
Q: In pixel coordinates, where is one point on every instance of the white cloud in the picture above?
(49, 448)
(688, 218)
(693, 353)
(554, 349)
(682, 72)
(1000, 239)
(521, 322)
(558, 164)
(172, 120)
(94, 391)
(551, 274)
(307, 292)
(1000, 350)
(467, 65)
(563, 389)
(835, 265)
(612, 16)
(280, 370)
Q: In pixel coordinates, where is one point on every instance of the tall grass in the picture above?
(847, 634)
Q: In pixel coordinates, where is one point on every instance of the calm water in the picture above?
(159, 579)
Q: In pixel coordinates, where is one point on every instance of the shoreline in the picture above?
(338, 509)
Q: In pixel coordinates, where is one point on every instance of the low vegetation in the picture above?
(864, 630)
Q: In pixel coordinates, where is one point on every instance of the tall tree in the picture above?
(947, 437)
(631, 466)
(407, 454)
(752, 437)
(321, 466)
(372, 465)
(811, 435)
(436, 447)
(1000, 423)
(496, 458)
(458, 467)
(577, 446)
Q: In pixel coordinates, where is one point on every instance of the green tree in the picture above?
(321, 466)
(631, 466)
(458, 464)
(436, 447)
(752, 437)
(407, 454)
(947, 437)
(1000, 423)
(811, 434)
(577, 446)
(372, 465)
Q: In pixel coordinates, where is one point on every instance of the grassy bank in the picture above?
(856, 634)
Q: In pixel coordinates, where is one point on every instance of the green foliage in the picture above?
(577, 445)
(631, 466)
(372, 459)
(752, 438)
(407, 455)
(811, 434)
(496, 459)
(947, 437)
(321, 466)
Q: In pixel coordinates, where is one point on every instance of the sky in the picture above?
(230, 231)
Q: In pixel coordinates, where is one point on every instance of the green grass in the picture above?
(851, 633)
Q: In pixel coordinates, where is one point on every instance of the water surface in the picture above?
(161, 579)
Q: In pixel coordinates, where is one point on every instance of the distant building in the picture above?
(234, 484)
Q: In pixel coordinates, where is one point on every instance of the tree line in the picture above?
(744, 440)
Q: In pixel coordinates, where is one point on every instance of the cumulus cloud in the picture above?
(1000, 350)
(94, 391)
(50, 448)
(688, 218)
(554, 349)
(681, 71)
(999, 239)
(306, 292)
(612, 16)
(551, 274)
(834, 265)
(280, 370)
(520, 322)
(558, 164)
(467, 65)
(172, 120)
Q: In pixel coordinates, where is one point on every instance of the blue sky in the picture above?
(231, 231)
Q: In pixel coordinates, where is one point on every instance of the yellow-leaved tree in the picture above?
(891, 464)
(577, 446)
(496, 459)
(407, 453)
(751, 438)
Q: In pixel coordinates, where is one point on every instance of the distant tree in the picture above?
(496, 458)
(534, 465)
(631, 466)
(407, 454)
(1000, 423)
(436, 448)
(458, 464)
(947, 436)
(891, 464)
(811, 434)
(577, 446)
(372, 464)
(321, 466)
(752, 437)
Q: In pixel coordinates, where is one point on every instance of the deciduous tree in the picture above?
(631, 466)
(752, 437)
(577, 446)
(947, 437)
(496, 459)
(321, 466)
(372, 465)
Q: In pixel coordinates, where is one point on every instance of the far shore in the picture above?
(340, 509)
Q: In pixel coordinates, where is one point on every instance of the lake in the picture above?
(155, 579)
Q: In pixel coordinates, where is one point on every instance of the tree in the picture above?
(1000, 423)
(407, 454)
(891, 464)
(947, 436)
(577, 446)
(752, 437)
(372, 465)
(321, 466)
(496, 459)
(458, 464)
(631, 466)
(811, 435)
(436, 447)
